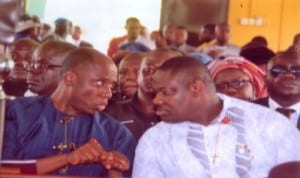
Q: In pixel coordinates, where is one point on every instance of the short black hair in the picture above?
(132, 19)
(189, 68)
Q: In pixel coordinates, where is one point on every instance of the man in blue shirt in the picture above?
(67, 132)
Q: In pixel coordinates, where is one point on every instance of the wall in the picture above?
(277, 20)
(193, 13)
(100, 20)
(36, 7)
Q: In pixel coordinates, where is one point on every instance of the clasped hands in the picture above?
(93, 152)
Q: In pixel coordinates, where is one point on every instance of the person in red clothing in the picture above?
(133, 27)
(114, 44)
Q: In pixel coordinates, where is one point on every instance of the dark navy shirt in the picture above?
(34, 129)
(129, 113)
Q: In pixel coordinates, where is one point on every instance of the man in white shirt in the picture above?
(222, 47)
(180, 40)
(205, 135)
(283, 82)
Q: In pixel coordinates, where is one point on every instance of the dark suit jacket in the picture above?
(265, 102)
(262, 101)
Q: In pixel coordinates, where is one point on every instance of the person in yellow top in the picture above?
(206, 36)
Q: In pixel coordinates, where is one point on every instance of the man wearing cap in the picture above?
(27, 29)
(61, 31)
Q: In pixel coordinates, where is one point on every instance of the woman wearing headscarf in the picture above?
(237, 77)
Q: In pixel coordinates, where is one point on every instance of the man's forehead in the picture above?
(130, 61)
(45, 55)
(286, 60)
(100, 69)
(158, 79)
(105, 66)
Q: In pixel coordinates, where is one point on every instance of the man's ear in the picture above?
(69, 78)
(197, 86)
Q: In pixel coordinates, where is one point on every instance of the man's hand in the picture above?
(93, 152)
(87, 153)
(115, 160)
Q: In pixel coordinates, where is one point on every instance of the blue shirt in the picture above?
(34, 129)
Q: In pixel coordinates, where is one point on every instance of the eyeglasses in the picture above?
(236, 84)
(280, 70)
(17, 57)
(39, 67)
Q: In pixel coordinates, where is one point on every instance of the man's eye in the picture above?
(148, 70)
(99, 83)
(168, 92)
(122, 72)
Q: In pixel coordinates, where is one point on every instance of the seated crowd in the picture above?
(153, 106)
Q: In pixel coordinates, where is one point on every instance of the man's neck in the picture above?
(145, 102)
(179, 45)
(60, 101)
(131, 39)
(222, 43)
(210, 112)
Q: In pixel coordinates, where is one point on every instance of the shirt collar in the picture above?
(138, 39)
(274, 105)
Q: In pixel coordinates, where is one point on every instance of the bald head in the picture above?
(24, 44)
(54, 48)
(82, 57)
(88, 78)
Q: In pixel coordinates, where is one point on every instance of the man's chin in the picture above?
(151, 93)
(287, 95)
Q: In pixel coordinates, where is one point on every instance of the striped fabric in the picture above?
(242, 153)
(195, 140)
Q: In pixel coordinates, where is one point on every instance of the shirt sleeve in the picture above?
(287, 140)
(10, 133)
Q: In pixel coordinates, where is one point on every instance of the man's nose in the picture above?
(289, 75)
(131, 76)
(229, 90)
(157, 100)
(107, 92)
